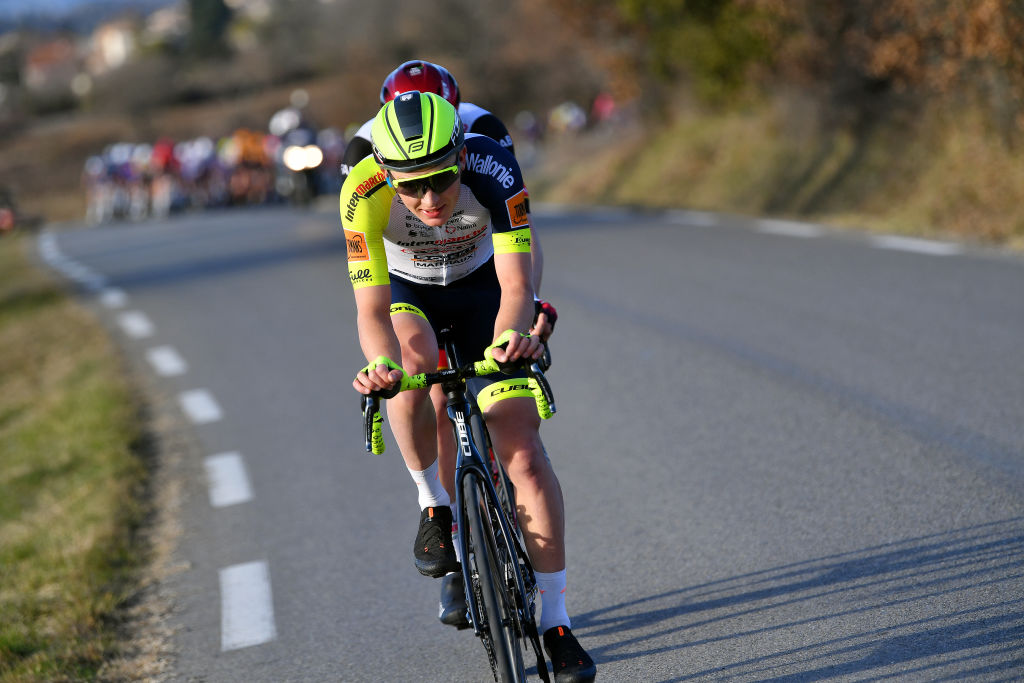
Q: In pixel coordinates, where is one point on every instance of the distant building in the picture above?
(10, 58)
(50, 66)
(166, 26)
(256, 10)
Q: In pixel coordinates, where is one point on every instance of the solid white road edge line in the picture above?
(788, 228)
(247, 607)
(166, 361)
(229, 482)
(916, 245)
(200, 406)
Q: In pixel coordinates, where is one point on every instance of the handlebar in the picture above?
(538, 383)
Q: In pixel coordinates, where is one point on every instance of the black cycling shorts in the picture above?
(468, 307)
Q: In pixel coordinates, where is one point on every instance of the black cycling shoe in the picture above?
(434, 551)
(570, 661)
(454, 611)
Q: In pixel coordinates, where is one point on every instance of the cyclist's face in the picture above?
(432, 207)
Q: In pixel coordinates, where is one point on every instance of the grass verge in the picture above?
(71, 481)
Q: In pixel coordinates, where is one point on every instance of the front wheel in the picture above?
(498, 610)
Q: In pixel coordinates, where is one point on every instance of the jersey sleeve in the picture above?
(497, 181)
(365, 208)
(517, 238)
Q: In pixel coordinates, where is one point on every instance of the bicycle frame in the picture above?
(470, 460)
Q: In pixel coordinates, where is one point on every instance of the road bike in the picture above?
(501, 588)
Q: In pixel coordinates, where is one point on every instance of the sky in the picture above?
(10, 8)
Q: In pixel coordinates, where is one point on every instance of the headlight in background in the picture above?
(306, 158)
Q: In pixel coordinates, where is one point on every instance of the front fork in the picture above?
(470, 458)
(466, 458)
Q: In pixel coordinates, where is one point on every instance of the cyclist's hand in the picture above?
(544, 320)
(519, 346)
(381, 375)
(542, 328)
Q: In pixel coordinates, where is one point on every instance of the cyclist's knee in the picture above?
(527, 464)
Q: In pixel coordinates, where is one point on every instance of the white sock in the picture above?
(428, 485)
(552, 600)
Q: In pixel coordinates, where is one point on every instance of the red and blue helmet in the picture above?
(423, 76)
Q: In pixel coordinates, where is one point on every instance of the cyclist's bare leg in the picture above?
(445, 441)
(513, 425)
(411, 413)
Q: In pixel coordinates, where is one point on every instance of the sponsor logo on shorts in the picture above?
(504, 389)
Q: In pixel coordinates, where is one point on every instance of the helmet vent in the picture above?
(409, 113)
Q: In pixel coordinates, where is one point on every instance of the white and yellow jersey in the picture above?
(385, 239)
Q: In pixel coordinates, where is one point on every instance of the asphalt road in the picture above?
(787, 453)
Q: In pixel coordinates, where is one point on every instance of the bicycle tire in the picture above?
(498, 606)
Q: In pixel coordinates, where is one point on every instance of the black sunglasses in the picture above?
(437, 181)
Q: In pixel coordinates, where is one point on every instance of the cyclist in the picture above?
(429, 77)
(438, 234)
(426, 77)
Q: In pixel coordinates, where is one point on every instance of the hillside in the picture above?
(942, 175)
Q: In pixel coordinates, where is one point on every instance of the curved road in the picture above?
(787, 453)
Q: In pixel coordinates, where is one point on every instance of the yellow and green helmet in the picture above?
(416, 130)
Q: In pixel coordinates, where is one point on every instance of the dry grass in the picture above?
(70, 481)
(945, 175)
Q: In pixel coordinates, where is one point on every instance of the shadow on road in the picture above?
(938, 606)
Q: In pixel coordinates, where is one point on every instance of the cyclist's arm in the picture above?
(364, 213)
(376, 336)
(515, 312)
(490, 125)
(536, 259)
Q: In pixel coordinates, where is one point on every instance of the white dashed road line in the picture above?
(200, 406)
(247, 607)
(247, 610)
(229, 482)
(166, 361)
(111, 297)
(916, 245)
(136, 324)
